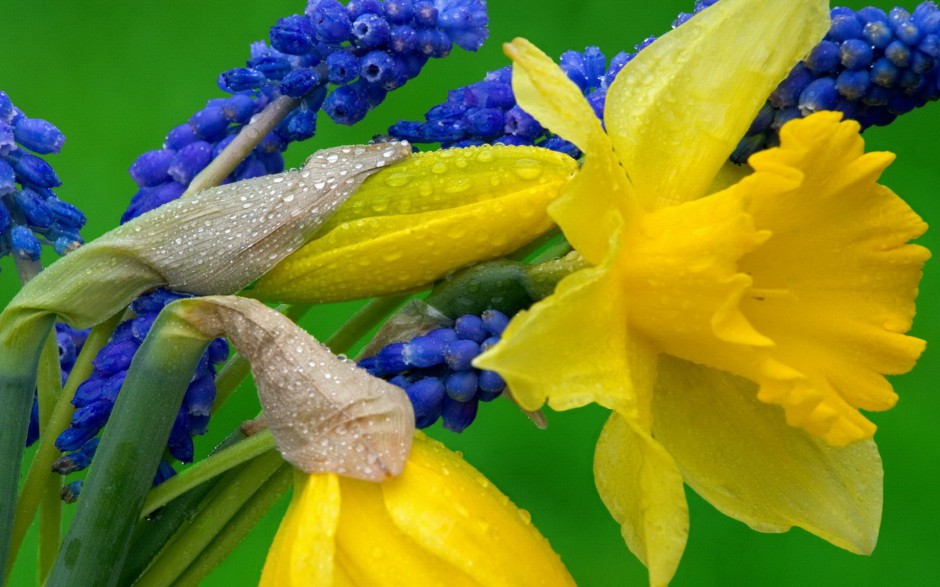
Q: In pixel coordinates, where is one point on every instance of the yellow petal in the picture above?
(372, 550)
(456, 515)
(417, 221)
(583, 212)
(570, 348)
(641, 486)
(676, 111)
(834, 286)
(543, 90)
(303, 550)
(740, 455)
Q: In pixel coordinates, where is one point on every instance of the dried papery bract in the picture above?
(213, 242)
(326, 414)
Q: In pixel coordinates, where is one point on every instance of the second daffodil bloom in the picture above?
(439, 523)
(735, 336)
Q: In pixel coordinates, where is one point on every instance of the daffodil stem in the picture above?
(552, 239)
(40, 468)
(239, 526)
(152, 534)
(244, 143)
(49, 386)
(214, 465)
(97, 542)
(232, 492)
(558, 248)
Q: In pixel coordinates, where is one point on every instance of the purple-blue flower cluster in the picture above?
(94, 398)
(872, 66)
(436, 370)
(30, 212)
(362, 51)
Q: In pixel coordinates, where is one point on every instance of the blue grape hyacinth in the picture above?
(872, 66)
(31, 214)
(342, 59)
(436, 371)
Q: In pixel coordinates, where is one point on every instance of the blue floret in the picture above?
(436, 371)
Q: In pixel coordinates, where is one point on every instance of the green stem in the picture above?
(154, 532)
(360, 323)
(556, 250)
(240, 525)
(214, 465)
(40, 468)
(244, 143)
(49, 386)
(234, 490)
(96, 544)
(22, 335)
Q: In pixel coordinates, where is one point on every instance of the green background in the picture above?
(116, 76)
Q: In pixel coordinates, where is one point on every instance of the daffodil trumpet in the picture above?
(734, 334)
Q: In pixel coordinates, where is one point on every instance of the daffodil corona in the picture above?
(705, 312)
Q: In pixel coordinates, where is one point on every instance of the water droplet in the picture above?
(396, 180)
(527, 169)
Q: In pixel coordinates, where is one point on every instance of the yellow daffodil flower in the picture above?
(440, 523)
(734, 336)
(414, 222)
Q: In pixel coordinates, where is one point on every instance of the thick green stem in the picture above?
(233, 491)
(22, 334)
(126, 460)
(40, 469)
(240, 525)
(49, 387)
(153, 532)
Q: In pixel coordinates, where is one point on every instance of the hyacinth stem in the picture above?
(233, 491)
(27, 269)
(368, 317)
(49, 385)
(96, 545)
(40, 469)
(22, 335)
(240, 525)
(248, 138)
(213, 466)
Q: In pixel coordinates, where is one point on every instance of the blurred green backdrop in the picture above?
(116, 76)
